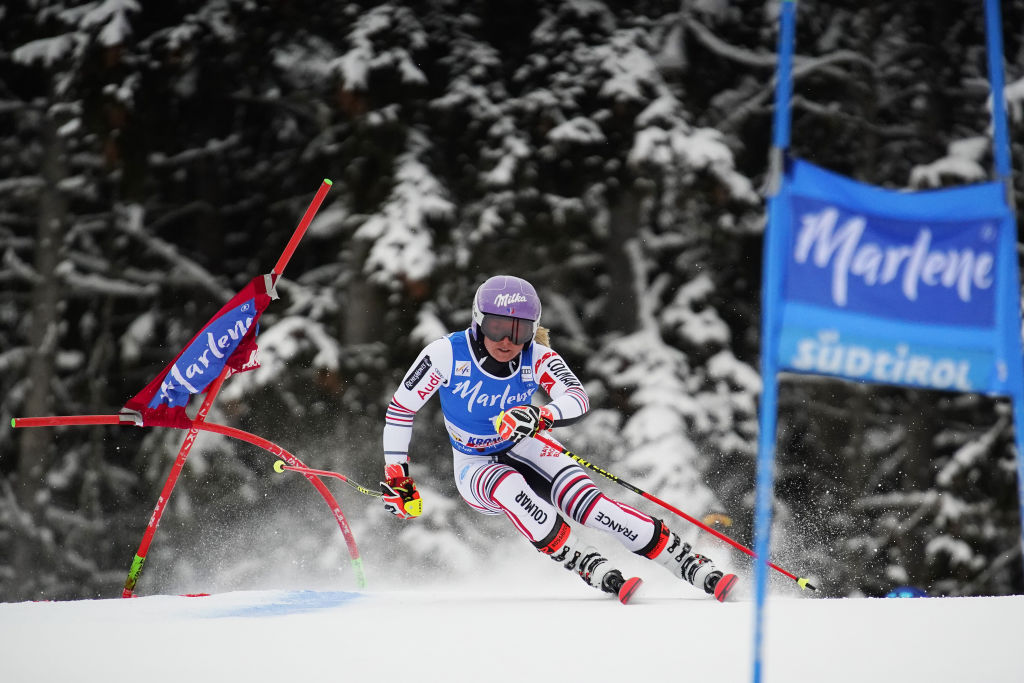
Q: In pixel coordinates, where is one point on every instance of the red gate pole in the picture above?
(211, 394)
(165, 494)
(286, 457)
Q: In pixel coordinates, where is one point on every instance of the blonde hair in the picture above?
(542, 336)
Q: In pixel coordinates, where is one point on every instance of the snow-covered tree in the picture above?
(156, 156)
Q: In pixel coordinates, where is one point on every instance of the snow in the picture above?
(961, 163)
(48, 51)
(525, 626)
(401, 234)
(356, 65)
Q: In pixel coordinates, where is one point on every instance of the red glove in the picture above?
(399, 492)
(522, 422)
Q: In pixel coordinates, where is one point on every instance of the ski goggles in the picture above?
(497, 327)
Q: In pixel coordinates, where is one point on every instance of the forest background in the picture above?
(156, 156)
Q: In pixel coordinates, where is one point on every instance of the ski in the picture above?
(723, 589)
(628, 589)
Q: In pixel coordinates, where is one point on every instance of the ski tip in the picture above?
(628, 589)
(725, 586)
(327, 181)
(12, 423)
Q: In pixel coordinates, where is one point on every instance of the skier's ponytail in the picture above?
(542, 336)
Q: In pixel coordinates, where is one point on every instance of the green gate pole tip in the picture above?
(328, 181)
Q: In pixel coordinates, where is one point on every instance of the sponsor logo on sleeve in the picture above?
(417, 373)
(431, 386)
(538, 363)
(548, 382)
(562, 373)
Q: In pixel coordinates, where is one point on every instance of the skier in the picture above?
(486, 376)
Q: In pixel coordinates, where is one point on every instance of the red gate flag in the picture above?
(227, 340)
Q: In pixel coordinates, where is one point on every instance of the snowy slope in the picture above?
(537, 630)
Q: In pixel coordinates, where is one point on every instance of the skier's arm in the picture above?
(428, 372)
(569, 400)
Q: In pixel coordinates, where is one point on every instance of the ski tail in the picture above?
(628, 589)
(723, 589)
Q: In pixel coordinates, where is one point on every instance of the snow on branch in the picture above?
(962, 163)
(19, 268)
(723, 49)
(694, 320)
(801, 65)
(90, 284)
(130, 221)
(112, 15)
(1014, 94)
(364, 57)
(629, 68)
(971, 453)
(280, 345)
(400, 231)
(212, 147)
(49, 51)
(578, 130)
(703, 149)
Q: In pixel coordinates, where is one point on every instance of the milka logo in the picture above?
(509, 299)
(820, 240)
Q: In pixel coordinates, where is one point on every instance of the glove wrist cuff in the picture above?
(396, 470)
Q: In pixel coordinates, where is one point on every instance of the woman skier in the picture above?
(486, 377)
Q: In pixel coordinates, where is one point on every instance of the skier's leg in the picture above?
(570, 488)
(564, 547)
(671, 552)
(494, 488)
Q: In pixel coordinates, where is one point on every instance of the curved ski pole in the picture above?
(802, 582)
(325, 493)
(231, 432)
(280, 467)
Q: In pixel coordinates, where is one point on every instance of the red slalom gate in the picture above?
(153, 408)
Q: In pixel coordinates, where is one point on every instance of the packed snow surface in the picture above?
(535, 628)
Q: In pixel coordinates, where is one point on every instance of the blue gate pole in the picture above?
(1001, 136)
(1004, 172)
(770, 288)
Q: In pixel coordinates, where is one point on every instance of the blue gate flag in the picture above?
(904, 288)
(226, 343)
(915, 289)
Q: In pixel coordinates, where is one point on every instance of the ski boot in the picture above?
(590, 565)
(594, 569)
(694, 568)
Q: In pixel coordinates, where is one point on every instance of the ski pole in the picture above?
(802, 582)
(280, 468)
